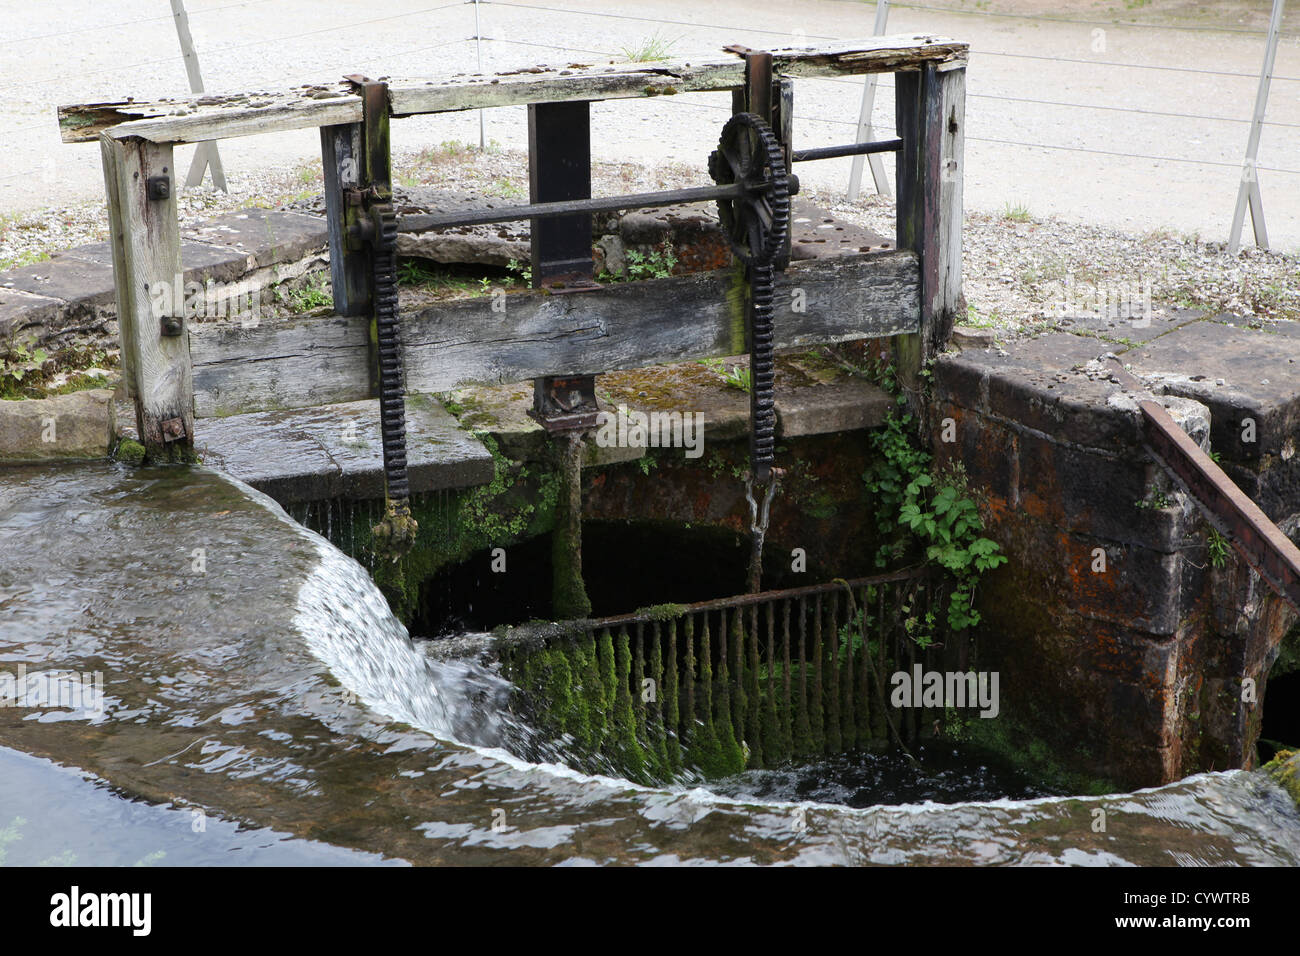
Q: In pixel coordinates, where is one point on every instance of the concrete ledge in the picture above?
(335, 451)
(1042, 384)
(72, 291)
(1239, 373)
(72, 426)
(844, 405)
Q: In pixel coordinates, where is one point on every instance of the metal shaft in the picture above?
(540, 210)
(670, 197)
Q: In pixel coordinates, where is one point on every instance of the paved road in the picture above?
(71, 56)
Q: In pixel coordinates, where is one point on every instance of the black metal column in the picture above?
(559, 168)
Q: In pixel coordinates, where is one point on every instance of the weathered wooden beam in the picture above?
(219, 117)
(141, 181)
(929, 106)
(624, 325)
(349, 263)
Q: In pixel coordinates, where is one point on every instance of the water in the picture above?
(99, 826)
(252, 670)
(942, 774)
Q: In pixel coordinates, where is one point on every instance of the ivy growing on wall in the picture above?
(925, 511)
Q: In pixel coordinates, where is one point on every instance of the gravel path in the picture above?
(72, 57)
(1020, 276)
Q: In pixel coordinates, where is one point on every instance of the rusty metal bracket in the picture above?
(1229, 510)
(173, 429)
(565, 403)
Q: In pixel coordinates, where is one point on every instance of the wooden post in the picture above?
(340, 148)
(783, 126)
(140, 183)
(930, 107)
(376, 172)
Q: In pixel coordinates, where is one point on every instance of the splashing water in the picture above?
(224, 692)
(349, 627)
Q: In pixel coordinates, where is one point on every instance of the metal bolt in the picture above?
(171, 325)
(158, 187)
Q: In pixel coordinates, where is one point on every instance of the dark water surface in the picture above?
(253, 671)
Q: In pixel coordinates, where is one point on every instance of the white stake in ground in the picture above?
(1249, 188)
(864, 121)
(206, 155)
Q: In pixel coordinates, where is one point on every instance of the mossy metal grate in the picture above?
(710, 689)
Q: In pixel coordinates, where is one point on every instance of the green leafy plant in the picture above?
(658, 263)
(1217, 545)
(17, 364)
(522, 269)
(410, 272)
(737, 377)
(311, 296)
(935, 513)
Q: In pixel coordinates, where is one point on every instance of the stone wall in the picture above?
(1122, 648)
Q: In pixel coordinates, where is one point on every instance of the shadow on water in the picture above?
(250, 669)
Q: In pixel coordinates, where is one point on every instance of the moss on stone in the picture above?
(518, 504)
(1284, 768)
(130, 451)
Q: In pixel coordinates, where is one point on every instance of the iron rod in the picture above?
(851, 149)
(544, 210)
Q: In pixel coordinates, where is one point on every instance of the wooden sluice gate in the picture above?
(570, 328)
(179, 371)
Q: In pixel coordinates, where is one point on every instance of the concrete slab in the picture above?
(335, 451)
(65, 277)
(266, 235)
(1240, 374)
(199, 260)
(815, 233)
(844, 405)
(1127, 332)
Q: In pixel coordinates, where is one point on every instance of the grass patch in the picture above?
(648, 49)
(314, 294)
(1017, 212)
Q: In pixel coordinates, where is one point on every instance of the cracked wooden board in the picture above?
(624, 325)
(218, 117)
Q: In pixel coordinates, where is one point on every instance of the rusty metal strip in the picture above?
(1229, 509)
(764, 597)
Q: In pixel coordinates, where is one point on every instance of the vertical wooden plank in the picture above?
(349, 276)
(949, 305)
(930, 109)
(917, 205)
(150, 296)
(116, 229)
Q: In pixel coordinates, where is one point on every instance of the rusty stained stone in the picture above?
(822, 507)
(1133, 674)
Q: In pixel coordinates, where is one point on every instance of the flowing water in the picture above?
(252, 677)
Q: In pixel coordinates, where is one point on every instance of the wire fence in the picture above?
(505, 36)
